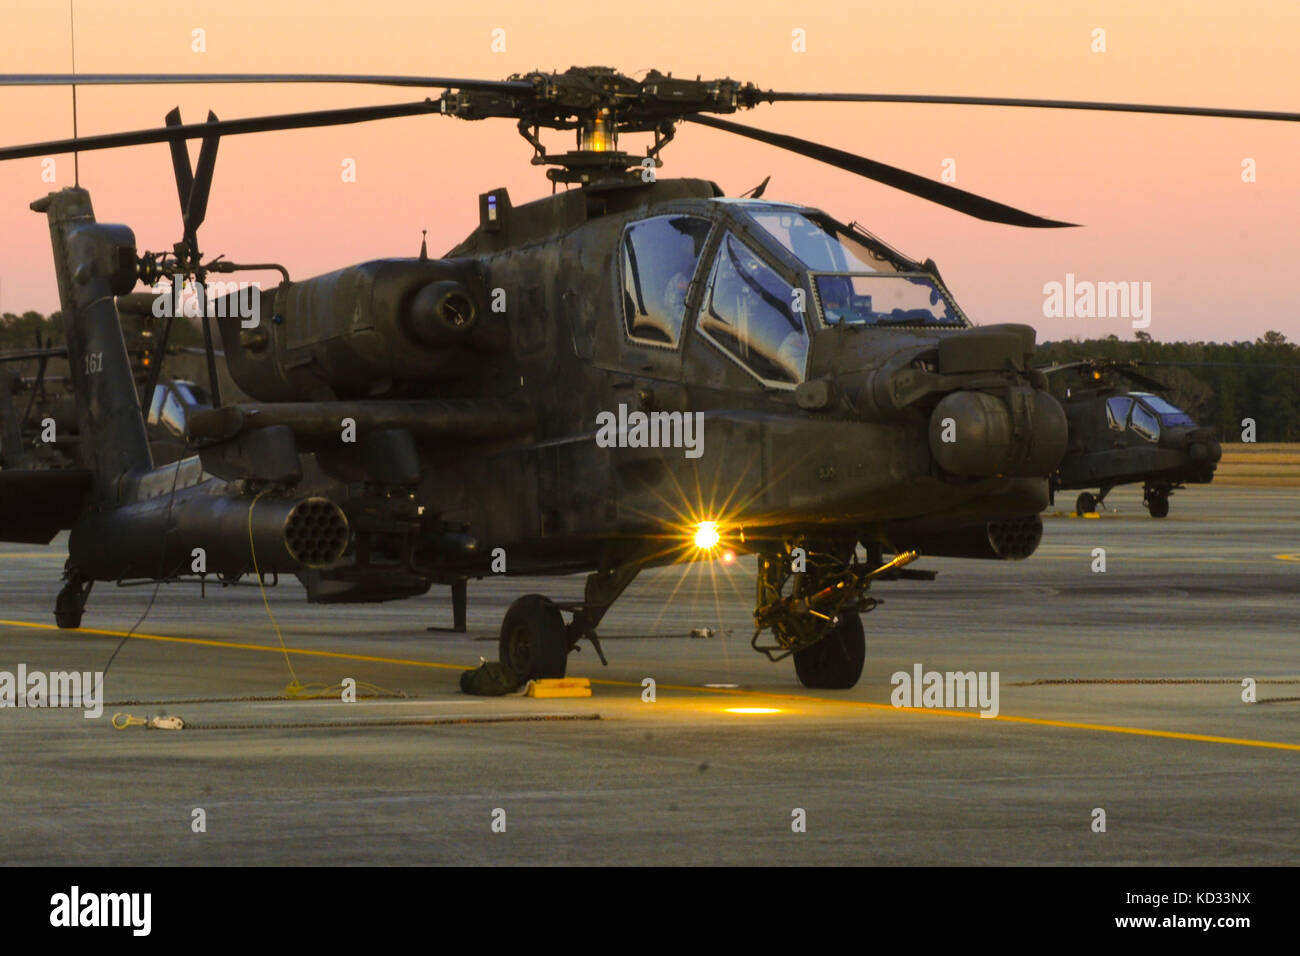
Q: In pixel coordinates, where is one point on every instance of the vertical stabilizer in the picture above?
(94, 262)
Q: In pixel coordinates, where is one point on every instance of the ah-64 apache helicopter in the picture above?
(1120, 437)
(845, 397)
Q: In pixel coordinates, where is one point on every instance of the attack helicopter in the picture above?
(422, 421)
(1122, 435)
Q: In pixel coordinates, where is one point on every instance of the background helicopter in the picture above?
(846, 398)
(1120, 436)
(45, 394)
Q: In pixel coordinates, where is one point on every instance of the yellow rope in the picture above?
(294, 688)
(336, 691)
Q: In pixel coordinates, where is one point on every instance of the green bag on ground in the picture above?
(489, 679)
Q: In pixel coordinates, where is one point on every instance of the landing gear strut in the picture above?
(71, 602)
(459, 604)
(811, 601)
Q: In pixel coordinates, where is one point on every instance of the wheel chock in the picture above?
(559, 687)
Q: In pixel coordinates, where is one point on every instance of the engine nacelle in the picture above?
(340, 333)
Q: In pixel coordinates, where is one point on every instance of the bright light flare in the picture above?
(707, 536)
(753, 710)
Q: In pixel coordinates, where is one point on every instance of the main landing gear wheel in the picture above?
(1156, 497)
(834, 662)
(533, 642)
(1085, 504)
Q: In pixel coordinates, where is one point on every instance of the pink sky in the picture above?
(1162, 198)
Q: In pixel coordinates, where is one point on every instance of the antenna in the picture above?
(72, 36)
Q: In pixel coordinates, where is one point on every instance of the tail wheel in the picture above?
(1085, 504)
(834, 662)
(1158, 505)
(533, 643)
(71, 602)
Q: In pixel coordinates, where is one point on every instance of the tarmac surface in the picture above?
(1120, 691)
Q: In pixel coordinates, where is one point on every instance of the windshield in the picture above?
(884, 300)
(817, 247)
(1170, 415)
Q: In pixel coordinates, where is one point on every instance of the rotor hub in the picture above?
(599, 104)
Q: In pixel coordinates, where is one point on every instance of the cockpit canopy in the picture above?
(1144, 414)
(769, 276)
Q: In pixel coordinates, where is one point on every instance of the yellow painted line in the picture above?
(1104, 728)
(1081, 556)
(938, 712)
(1287, 557)
(32, 554)
(231, 645)
(799, 698)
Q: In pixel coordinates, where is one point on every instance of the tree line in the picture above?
(1217, 383)
(20, 331)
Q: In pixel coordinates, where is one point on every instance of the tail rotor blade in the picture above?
(196, 209)
(180, 162)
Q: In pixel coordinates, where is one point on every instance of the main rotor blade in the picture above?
(1020, 102)
(1133, 375)
(255, 124)
(1292, 367)
(142, 79)
(1122, 368)
(937, 192)
(1050, 369)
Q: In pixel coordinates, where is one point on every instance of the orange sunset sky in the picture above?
(1161, 198)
